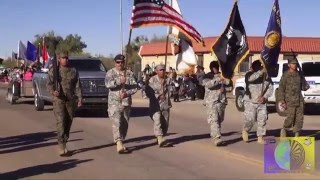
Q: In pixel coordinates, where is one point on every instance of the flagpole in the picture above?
(18, 52)
(121, 28)
(127, 54)
(167, 42)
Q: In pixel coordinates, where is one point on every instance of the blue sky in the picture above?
(98, 21)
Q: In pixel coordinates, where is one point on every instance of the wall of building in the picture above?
(155, 60)
(208, 57)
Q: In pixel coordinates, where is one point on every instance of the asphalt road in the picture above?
(28, 146)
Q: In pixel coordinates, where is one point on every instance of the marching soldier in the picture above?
(160, 104)
(215, 100)
(121, 87)
(64, 99)
(258, 90)
(291, 99)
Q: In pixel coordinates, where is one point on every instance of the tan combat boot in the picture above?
(61, 149)
(66, 151)
(217, 141)
(161, 141)
(283, 133)
(120, 147)
(261, 140)
(245, 136)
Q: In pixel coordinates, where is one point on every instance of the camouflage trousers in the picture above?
(119, 115)
(255, 112)
(63, 112)
(294, 118)
(215, 114)
(161, 122)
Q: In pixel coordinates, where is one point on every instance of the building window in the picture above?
(200, 59)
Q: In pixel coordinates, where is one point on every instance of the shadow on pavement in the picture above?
(29, 141)
(130, 149)
(184, 139)
(143, 139)
(91, 148)
(103, 113)
(43, 169)
(139, 111)
(91, 113)
(311, 133)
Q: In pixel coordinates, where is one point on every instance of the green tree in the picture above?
(107, 61)
(71, 43)
(156, 38)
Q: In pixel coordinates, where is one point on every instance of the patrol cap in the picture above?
(119, 57)
(160, 67)
(293, 61)
(63, 55)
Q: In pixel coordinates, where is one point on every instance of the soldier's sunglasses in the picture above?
(118, 62)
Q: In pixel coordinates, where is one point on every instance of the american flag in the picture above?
(157, 12)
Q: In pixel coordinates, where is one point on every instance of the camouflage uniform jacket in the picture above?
(214, 91)
(290, 87)
(159, 89)
(69, 84)
(255, 88)
(112, 82)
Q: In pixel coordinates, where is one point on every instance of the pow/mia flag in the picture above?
(232, 46)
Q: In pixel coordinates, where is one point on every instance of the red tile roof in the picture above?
(302, 45)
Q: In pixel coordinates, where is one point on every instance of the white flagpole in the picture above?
(121, 28)
(167, 42)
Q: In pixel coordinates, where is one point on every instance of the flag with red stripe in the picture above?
(157, 12)
(45, 55)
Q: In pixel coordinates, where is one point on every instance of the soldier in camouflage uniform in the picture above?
(290, 97)
(121, 88)
(64, 99)
(160, 104)
(255, 101)
(215, 100)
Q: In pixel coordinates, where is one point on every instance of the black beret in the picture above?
(119, 57)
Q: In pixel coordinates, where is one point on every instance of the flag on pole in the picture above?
(273, 38)
(157, 12)
(22, 50)
(186, 59)
(231, 48)
(45, 55)
(32, 51)
(14, 56)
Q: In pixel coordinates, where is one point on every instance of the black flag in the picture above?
(232, 46)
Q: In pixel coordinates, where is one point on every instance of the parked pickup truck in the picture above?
(92, 79)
